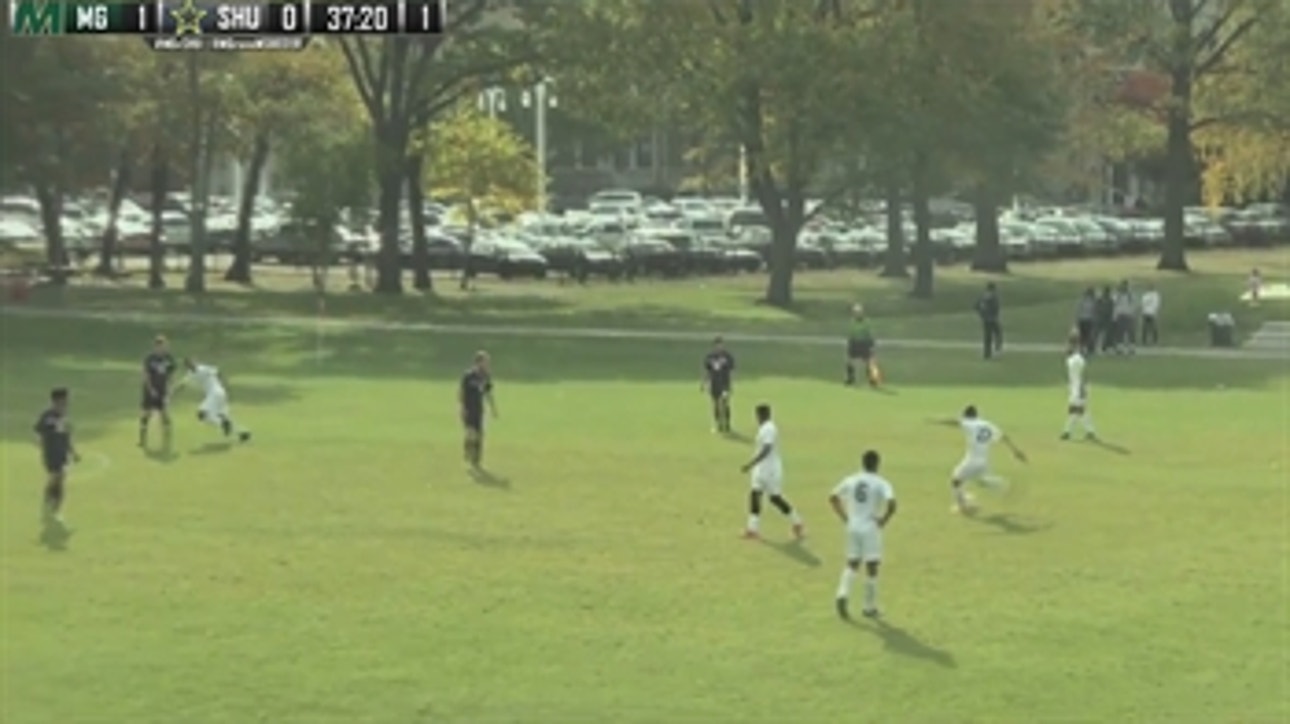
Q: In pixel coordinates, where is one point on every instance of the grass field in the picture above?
(344, 567)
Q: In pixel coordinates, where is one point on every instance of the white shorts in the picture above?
(864, 544)
(214, 405)
(768, 483)
(970, 469)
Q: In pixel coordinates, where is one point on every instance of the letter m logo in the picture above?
(37, 17)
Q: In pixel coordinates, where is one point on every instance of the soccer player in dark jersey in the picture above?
(159, 367)
(718, 380)
(476, 391)
(56, 448)
(860, 344)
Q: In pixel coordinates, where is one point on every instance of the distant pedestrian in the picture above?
(1256, 286)
(1105, 320)
(1150, 303)
(1126, 308)
(988, 308)
(1086, 321)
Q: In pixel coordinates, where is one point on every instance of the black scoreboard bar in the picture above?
(196, 18)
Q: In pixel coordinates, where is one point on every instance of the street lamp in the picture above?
(540, 99)
(492, 101)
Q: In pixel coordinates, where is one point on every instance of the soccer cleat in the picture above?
(751, 535)
(244, 436)
(1065, 436)
(870, 613)
(799, 531)
(843, 613)
(1090, 436)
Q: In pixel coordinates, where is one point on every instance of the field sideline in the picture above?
(344, 567)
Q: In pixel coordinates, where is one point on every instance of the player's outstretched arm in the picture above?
(944, 421)
(1016, 451)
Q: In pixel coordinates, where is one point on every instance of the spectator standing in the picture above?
(1256, 286)
(1125, 323)
(988, 308)
(1105, 311)
(1086, 321)
(1150, 303)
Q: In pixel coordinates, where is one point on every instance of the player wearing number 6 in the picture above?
(975, 466)
(865, 502)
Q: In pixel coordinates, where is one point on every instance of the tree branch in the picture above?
(1206, 66)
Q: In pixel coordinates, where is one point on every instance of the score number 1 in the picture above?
(425, 16)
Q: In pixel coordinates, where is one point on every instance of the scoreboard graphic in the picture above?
(188, 25)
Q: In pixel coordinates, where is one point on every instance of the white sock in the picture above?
(1070, 424)
(1087, 419)
(848, 578)
(752, 523)
(960, 498)
(870, 593)
(794, 517)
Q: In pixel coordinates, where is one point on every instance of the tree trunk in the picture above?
(195, 280)
(987, 253)
(1179, 170)
(894, 262)
(467, 259)
(120, 186)
(51, 218)
(924, 254)
(240, 270)
(783, 243)
(156, 253)
(391, 169)
(416, 216)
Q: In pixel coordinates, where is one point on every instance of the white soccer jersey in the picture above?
(771, 466)
(865, 497)
(980, 435)
(207, 378)
(1075, 364)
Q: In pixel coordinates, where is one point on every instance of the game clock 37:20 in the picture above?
(361, 18)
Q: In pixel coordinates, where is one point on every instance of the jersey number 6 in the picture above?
(862, 493)
(984, 435)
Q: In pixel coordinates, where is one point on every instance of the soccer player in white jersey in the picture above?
(214, 408)
(767, 468)
(1077, 401)
(975, 466)
(865, 502)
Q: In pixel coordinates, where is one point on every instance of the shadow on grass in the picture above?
(795, 551)
(899, 641)
(490, 479)
(1011, 524)
(213, 448)
(164, 456)
(1110, 446)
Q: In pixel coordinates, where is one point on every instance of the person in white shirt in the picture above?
(767, 468)
(1150, 302)
(975, 465)
(214, 407)
(1077, 384)
(1126, 309)
(865, 502)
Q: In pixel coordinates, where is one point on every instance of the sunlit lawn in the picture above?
(343, 567)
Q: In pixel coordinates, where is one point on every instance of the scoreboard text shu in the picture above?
(242, 19)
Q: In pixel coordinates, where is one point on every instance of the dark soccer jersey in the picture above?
(719, 365)
(55, 434)
(159, 367)
(475, 385)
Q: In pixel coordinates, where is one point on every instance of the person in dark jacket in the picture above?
(1106, 320)
(988, 309)
(1086, 321)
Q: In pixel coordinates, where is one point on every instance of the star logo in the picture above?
(188, 19)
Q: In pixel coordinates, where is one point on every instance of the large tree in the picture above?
(1194, 44)
(781, 78)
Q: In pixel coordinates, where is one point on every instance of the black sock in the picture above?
(851, 373)
(54, 496)
(754, 502)
(781, 504)
(226, 425)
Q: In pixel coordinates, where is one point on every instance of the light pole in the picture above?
(540, 99)
(492, 101)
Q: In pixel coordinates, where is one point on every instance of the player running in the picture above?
(159, 368)
(214, 407)
(476, 391)
(55, 431)
(1077, 401)
(860, 344)
(767, 470)
(975, 465)
(865, 502)
(718, 381)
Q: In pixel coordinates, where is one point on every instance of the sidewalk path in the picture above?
(322, 323)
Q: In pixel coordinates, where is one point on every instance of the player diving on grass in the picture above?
(474, 393)
(865, 502)
(975, 466)
(718, 382)
(159, 368)
(1077, 401)
(767, 470)
(214, 409)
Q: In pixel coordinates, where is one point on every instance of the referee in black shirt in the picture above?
(988, 309)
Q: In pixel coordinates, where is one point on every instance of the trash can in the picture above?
(1222, 330)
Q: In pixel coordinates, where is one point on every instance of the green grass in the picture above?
(343, 567)
(1039, 300)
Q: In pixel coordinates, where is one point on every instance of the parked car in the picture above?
(581, 259)
(508, 259)
(645, 256)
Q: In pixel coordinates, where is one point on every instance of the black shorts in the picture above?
(720, 390)
(859, 349)
(473, 420)
(153, 400)
(55, 464)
